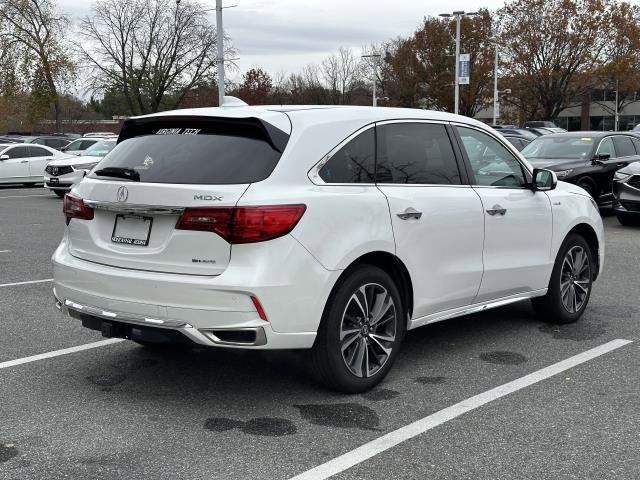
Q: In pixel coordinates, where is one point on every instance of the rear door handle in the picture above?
(409, 213)
(497, 210)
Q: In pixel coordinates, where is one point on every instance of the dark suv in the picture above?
(587, 159)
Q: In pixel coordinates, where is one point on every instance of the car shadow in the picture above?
(180, 372)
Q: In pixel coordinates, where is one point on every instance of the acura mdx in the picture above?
(333, 229)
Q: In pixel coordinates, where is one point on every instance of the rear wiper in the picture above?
(119, 172)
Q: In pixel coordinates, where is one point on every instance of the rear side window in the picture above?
(624, 146)
(198, 153)
(354, 162)
(38, 152)
(416, 153)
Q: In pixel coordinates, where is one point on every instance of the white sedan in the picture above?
(25, 163)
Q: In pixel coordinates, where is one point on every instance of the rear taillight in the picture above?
(74, 207)
(243, 224)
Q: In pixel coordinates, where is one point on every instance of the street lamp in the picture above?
(456, 85)
(375, 56)
(220, 46)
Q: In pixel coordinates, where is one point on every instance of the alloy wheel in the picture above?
(368, 330)
(575, 279)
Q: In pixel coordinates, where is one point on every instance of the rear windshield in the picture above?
(188, 156)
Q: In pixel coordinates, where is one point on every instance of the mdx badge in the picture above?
(122, 194)
(208, 198)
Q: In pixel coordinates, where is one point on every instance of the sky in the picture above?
(286, 35)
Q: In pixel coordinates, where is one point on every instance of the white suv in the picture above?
(61, 175)
(330, 229)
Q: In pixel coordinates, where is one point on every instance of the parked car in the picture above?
(587, 159)
(538, 131)
(518, 141)
(539, 123)
(626, 192)
(61, 175)
(56, 142)
(518, 137)
(9, 140)
(100, 134)
(520, 132)
(77, 147)
(20, 163)
(219, 227)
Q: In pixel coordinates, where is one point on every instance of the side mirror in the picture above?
(4, 157)
(544, 180)
(601, 157)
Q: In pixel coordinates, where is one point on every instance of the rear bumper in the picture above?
(206, 310)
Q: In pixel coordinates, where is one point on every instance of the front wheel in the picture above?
(570, 283)
(588, 187)
(60, 193)
(360, 333)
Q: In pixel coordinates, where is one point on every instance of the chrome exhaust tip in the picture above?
(239, 337)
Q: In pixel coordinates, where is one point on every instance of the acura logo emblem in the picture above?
(54, 170)
(122, 194)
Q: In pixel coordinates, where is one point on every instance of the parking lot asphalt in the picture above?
(120, 411)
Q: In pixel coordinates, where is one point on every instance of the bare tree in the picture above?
(342, 72)
(34, 30)
(330, 67)
(154, 51)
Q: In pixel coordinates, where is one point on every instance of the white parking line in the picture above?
(24, 196)
(5, 251)
(379, 445)
(25, 283)
(57, 353)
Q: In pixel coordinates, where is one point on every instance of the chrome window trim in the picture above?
(608, 137)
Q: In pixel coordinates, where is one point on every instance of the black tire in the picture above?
(587, 185)
(326, 358)
(551, 308)
(60, 193)
(629, 220)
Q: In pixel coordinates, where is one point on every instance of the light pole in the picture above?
(495, 89)
(456, 85)
(616, 123)
(220, 56)
(375, 57)
(220, 46)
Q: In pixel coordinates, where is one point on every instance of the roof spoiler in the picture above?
(249, 126)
